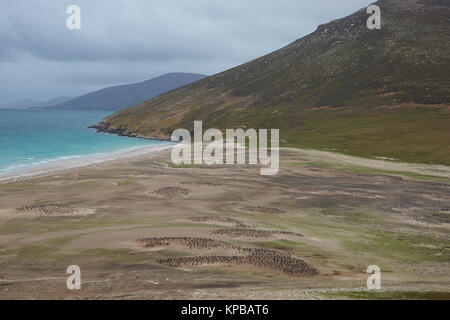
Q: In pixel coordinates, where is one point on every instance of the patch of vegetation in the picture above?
(184, 165)
(125, 182)
(400, 246)
(390, 295)
(354, 217)
(170, 253)
(405, 174)
(347, 168)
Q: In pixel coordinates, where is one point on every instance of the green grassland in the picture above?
(390, 295)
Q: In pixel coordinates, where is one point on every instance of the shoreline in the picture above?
(83, 161)
(65, 165)
(102, 128)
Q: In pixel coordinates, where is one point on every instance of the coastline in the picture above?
(102, 127)
(60, 166)
(65, 165)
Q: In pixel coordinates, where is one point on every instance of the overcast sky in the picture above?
(124, 41)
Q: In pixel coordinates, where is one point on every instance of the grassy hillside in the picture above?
(343, 87)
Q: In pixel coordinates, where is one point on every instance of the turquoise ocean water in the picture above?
(29, 137)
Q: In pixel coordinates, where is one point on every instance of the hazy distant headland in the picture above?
(112, 98)
(119, 97)
(30, 103)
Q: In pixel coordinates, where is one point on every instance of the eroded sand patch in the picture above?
(342, 192)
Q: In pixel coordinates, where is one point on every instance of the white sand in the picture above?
(62, 165)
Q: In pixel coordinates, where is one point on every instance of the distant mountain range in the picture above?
(343, 87)
(29, 103)
(122, 96)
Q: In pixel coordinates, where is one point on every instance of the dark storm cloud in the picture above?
(126, 41)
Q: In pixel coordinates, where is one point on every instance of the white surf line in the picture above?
(66, 166)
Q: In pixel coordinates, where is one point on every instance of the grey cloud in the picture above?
(127, 41)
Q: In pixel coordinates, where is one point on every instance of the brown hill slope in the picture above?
(359, 91)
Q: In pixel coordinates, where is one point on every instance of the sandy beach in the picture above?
(139, 226)
(63, 165)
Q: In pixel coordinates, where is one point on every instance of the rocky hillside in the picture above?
(343, 87)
